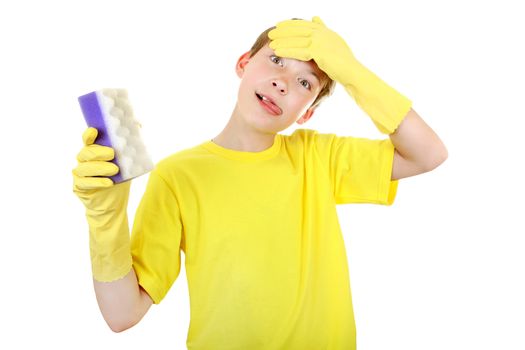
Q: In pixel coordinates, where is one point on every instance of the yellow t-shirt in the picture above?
(265, 259)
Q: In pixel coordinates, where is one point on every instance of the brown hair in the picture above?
(328, 85)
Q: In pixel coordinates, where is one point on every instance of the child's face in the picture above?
(291, 84)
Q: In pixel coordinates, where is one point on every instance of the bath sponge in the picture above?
(109, 111)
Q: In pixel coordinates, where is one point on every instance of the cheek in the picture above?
(250, 78)
(296, 106)
(302, 99)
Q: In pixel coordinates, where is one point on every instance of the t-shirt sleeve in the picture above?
(359, 169)
(156, 238)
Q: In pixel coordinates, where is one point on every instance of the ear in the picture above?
(306, 116)
(241, 63)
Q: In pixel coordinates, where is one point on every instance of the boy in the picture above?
(253, 210)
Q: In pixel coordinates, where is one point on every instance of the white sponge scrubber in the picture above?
(109, 111)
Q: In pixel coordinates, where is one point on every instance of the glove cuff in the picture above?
(112, 266)
(109, 244)
(384, 105)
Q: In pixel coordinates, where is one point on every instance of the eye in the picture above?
(305, 83)
(276, 59)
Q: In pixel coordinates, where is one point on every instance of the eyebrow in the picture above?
(315, 75)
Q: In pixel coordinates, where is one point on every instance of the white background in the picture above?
(443, 268)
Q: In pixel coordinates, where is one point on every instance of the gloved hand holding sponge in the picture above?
(306, 40)
(102, 178)
(106, 209)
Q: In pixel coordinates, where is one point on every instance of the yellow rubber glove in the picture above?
(306, 40)
(106, 209)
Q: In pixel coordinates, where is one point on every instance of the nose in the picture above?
(279, 85)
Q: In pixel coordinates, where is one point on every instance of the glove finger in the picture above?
(317, 19)
(296, 53)
(293, 48)
(96, 168)
(294, 31)
(90, 183)
(291, 43)
(298, 23)
(95, 152)
(89, 136)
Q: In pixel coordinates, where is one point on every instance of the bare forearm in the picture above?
(418, 143)
(123, 302)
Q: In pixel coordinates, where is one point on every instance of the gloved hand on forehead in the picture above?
(305, 40)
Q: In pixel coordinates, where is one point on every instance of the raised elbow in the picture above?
(437, 160)
(120, 325)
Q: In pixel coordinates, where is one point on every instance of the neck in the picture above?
(239, 136)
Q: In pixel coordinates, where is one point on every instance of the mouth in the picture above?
(269, 104)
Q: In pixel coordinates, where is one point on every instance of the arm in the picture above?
(417, 147)
(123, 302)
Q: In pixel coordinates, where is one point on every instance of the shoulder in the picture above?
(313, 136)
(180, 159)
(302, 136)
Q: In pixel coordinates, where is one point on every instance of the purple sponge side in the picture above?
(94, 117)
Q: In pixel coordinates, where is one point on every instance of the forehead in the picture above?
(309, 66)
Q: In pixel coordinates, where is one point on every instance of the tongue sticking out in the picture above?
(271, 106)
